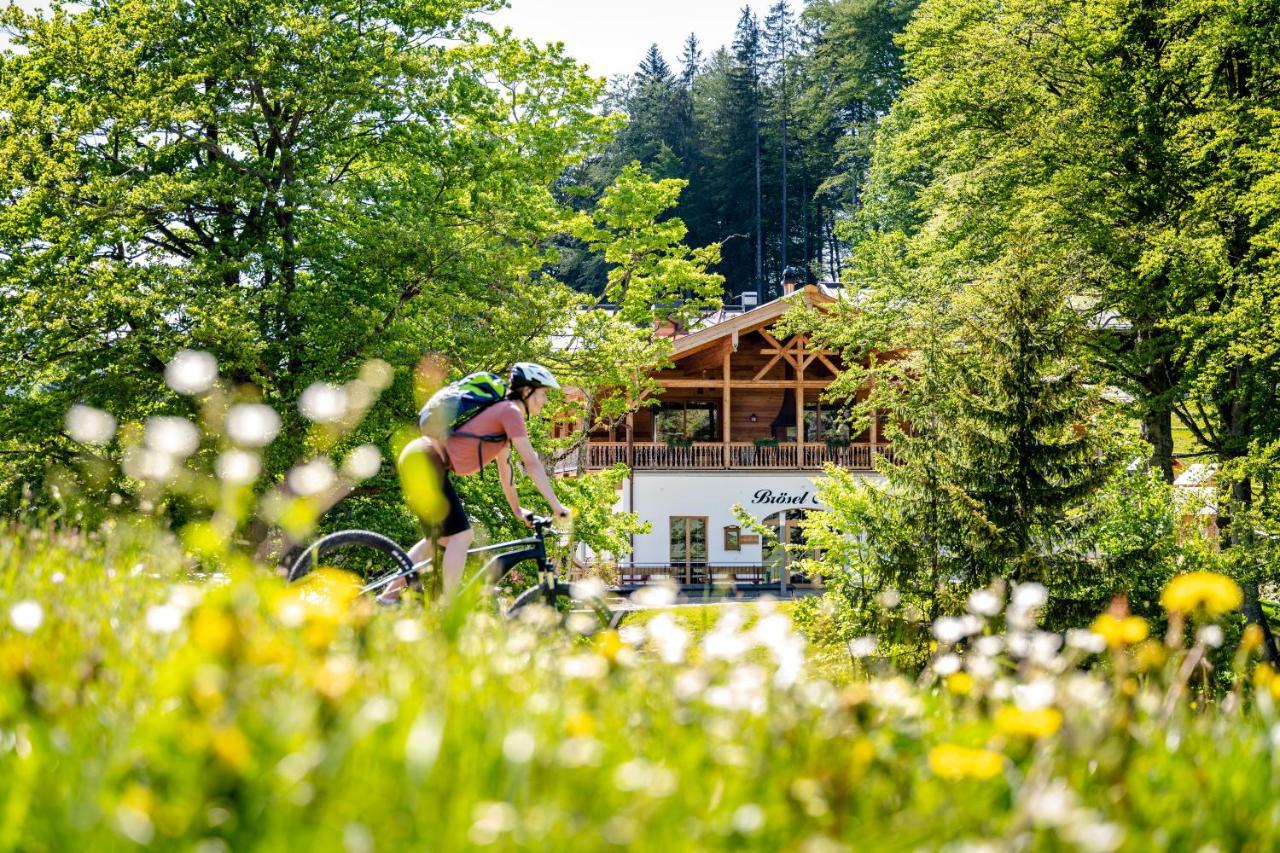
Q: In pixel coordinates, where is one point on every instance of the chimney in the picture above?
(790, 278)
(748, 298)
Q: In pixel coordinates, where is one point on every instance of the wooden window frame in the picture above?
(733, 537)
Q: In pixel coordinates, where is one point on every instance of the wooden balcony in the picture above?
(717, 456)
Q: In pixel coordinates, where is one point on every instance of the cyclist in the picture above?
(466, 453)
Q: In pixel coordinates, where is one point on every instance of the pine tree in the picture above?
(1029, 444)
(747, 54)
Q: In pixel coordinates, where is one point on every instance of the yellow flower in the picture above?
(951, 761)
(864, 752)
(1251, 639)
(960, 683)
(1263, 676)
(1012, 720)
(335, 677)
(580, 724)
(608, 644)
(213, 631)
(1216, 593)
(1120, 631)
(231, 748)
(1150, 656)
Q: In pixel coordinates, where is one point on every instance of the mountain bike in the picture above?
(379, 561)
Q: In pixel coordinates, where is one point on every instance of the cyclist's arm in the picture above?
(506, 478)
(537, 472)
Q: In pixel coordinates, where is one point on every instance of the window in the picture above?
(732, 538)
(824, 421)
(688, 544)
(695, 421)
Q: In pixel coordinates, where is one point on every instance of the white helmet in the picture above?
(527, 374)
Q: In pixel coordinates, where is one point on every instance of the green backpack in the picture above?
(457, 403)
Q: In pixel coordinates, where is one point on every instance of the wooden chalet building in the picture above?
(740, 421)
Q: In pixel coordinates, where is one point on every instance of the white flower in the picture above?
(1210, 635)
(362, 462)
(725, 642)
(88, 425)
(947, 665)
(981, 667)
(312, 477)
(238, 467)
(1086, 641)
(323, 403)
(143, 463)
(889, 598)
(669, 640)
(587, 666)
(1099, 837)
(177, 437)
(948, 630)
(641, 775)
(655, 595)
(163, 619)
(26, 616)
(1034, 695)
(252, 424)
(896, 696)
(408, 630)
(580, 751)
(1028, 596)
(587, 589)
(1044, 648)
(1052, 805)
(690, 684)
(518, 746)
(864, 647)
(491, 821)
(984, 602)
(989, 646)
(748, 818)
(191, 372)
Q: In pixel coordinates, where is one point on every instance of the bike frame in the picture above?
(532, 548)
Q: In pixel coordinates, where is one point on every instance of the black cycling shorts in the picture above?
(456, 520)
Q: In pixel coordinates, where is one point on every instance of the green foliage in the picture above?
(653, 275)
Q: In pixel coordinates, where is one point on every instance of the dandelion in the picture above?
(323, 403)
(26, 616)
(312, 477)
(1035, 694)
(174, 436)
(252, 424)
(655, 595)
(1120, 631)
(191, 372)
(362, 463)
(954, 762)
(959, 683)
(238, 467)
(88, 425)
(231, 748)
(1039, 723)
(1216, 594)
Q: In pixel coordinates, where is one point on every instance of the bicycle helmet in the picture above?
(527, 374)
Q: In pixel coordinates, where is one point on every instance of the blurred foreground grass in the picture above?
(142, 706)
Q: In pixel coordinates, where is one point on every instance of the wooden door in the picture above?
(689, 547)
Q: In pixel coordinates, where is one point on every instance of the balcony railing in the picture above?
(703, 456)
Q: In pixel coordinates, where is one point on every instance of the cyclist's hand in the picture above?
(526, 515)
(563, 519)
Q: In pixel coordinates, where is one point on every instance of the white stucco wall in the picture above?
(662, 494)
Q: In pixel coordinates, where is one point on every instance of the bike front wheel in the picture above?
(372, 557)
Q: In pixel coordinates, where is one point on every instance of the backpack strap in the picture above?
(480, 440)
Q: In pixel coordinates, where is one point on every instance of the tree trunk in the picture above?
(1157, 430)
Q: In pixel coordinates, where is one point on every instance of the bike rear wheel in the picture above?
(372, 557)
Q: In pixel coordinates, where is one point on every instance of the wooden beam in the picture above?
(725, 402)
(800, 411)
(810, 384)
(733, 339)
(764, 370)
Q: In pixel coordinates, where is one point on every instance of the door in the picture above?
(689, 547)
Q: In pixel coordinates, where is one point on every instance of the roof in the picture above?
(722, 325)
